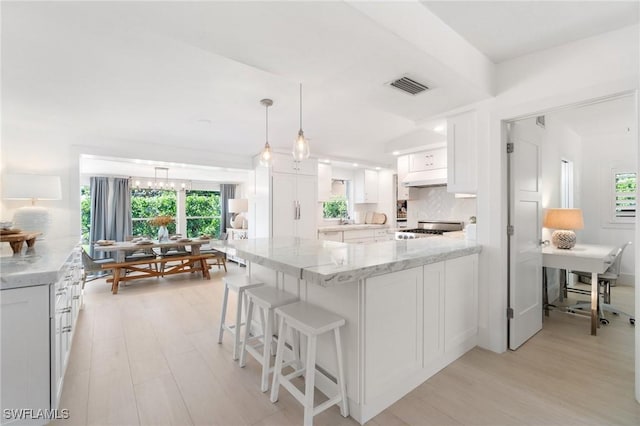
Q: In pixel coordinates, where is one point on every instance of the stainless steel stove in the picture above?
(429, 228)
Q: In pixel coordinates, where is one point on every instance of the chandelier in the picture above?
(161, 181)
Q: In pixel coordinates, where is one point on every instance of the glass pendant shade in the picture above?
(301, 144)
(265, 156)
(301, 147)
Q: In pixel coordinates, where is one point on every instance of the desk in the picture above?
(120, 248)
(583, 257)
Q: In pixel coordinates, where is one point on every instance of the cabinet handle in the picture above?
(61, 291)
(295, 210)
(64, 310)
(66, 329)
(76, 297)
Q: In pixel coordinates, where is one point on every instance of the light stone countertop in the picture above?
(333, 228)
(38, 265)
(329, 263)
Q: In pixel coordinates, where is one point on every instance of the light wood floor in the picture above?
(149, 356)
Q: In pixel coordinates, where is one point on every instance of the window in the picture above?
(149, 203)
(566, 184)
(203, 213)
(85, 212)
(624, 199)
(338, 206)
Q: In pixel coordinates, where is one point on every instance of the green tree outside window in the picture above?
(335, 208)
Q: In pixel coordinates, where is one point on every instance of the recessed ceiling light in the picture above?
(396, 153)
(439, 128)
(378, 168)
(355, 164)
(326, 160)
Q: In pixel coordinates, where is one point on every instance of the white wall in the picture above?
(587, 69)
(601, 153)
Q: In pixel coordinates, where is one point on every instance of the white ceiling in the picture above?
(191, 74)
(504, 30)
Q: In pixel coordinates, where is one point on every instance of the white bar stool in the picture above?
(239, 284)
(311, 321)
(265, 299)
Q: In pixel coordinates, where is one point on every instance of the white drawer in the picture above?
(357, 234)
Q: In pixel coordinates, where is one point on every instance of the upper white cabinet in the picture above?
(366, 186)
(428, 160)
(283, 163)
(462, 153)
(404, 192)
(324, 182)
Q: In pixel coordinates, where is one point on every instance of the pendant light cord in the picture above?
(267, 124)
(300, 106)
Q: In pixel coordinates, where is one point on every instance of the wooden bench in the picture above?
(188, 263)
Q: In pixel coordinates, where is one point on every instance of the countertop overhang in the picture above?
(329, 263)
(333, 228)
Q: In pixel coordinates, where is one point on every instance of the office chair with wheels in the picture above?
(605, 281)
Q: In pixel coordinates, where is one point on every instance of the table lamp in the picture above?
(31, 187)
(564, 222)
(237, 206)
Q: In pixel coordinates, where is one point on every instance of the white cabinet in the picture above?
(433, 322)
(462, 153)
(366, 186)
(37, 330)
(294, 205)
(236, 234)
(404, 192)
(283, 163)
(359, 236)
(324, 182)
(383, 235)
(428, 160)
(25, 348)
(392, 346)
(330, 236)
(428, 315)
(461, 301)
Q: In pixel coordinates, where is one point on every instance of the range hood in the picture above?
(436, 177)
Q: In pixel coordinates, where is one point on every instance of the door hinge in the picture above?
(509, 147)
(509, 313)
(510, 230)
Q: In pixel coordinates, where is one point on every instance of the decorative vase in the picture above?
(163, 234)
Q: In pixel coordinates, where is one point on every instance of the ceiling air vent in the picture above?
(409, 86)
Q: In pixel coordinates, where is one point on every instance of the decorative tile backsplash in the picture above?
(435, 203)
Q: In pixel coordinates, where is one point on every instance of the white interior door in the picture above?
(525, 257)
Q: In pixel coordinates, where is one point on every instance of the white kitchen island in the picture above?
(410, 306)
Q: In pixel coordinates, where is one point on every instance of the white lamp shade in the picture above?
(29, 187)
(238, 205)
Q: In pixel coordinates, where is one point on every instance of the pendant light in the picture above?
(301, 144)
(265, 155)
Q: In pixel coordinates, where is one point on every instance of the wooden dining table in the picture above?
(120, 248)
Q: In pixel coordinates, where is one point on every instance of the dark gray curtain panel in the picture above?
(99, 190)
(121, 224)
(227, 192)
